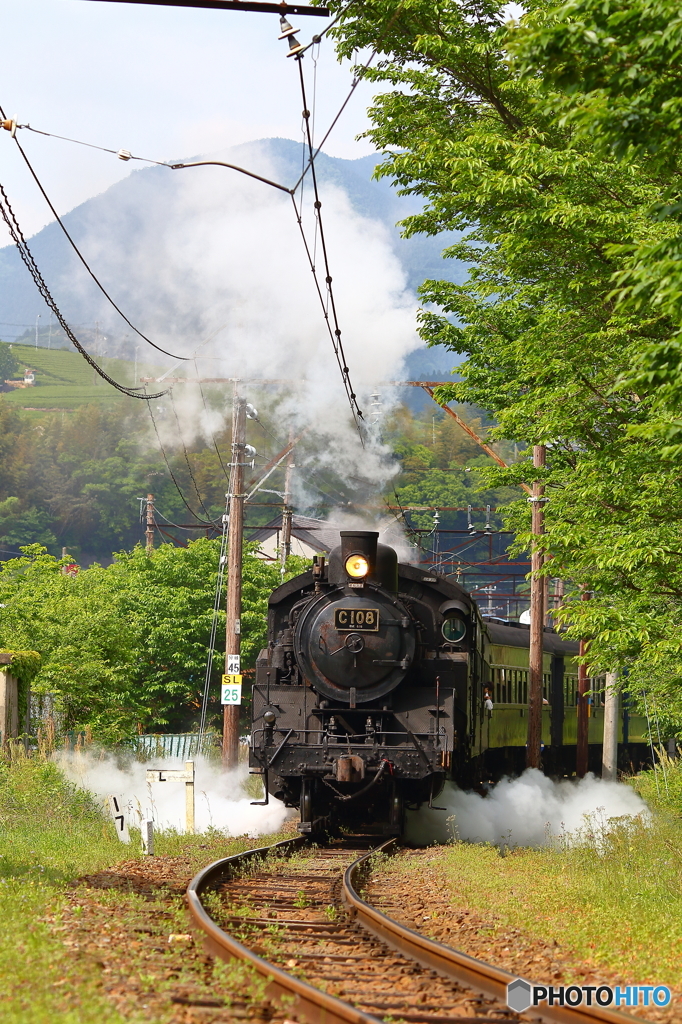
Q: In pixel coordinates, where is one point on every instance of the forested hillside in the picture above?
(75, 479)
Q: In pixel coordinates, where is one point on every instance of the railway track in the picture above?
(295, 913)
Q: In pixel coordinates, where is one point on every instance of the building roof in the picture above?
(316, 533)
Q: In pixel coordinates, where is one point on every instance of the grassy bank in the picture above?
(613, 899)
(50, 835)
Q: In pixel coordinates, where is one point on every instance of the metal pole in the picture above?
(537, 618)
(235, 538)
(583, 712)
(149, 532)
(609, 763)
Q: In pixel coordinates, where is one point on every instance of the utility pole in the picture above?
(149, 532)
(537, 617)
(609, 764)
(287, 511)
(235, 538)
(583, 710)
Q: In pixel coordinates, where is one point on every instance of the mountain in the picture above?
(145, 206)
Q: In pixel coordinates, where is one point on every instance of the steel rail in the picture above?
(314, 1005)
(483, 977)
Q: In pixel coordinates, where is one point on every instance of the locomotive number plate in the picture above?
(361, 620)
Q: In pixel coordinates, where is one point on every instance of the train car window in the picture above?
(454, 629)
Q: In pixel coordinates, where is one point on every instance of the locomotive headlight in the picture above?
(357, 566)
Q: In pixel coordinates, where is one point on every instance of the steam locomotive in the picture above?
(382, 680)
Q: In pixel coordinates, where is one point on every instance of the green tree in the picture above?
(8, 363)
(550, 223)
(127, 644)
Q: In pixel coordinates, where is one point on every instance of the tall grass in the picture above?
(661, 786)
(51, 833)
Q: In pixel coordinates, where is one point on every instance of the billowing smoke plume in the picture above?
(209, 250)
(220, 799)
(531, 810)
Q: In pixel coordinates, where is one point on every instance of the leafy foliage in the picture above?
(8, 362)
(566, 340)
(127, 644)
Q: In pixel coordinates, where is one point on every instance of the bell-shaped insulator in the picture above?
(285, 28)
(294, 47)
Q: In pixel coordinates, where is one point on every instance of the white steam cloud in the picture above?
(220, 799)
(207, 249)
(531, 810)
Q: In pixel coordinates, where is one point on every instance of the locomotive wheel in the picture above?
(395, 811)
(306, 801)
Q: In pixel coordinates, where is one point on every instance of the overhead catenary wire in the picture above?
(354, 84)
(29, 261)
(80, 256)
(335, 332)
(327, 305)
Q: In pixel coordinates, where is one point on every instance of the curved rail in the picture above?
(483, 977)
(317, 1006)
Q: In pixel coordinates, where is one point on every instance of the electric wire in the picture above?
(91, 145)
(80, 256)
(222, 561)
(334, 334)
(354, 84)
(215, 443)
(339, 495)
(28, 259)
(176, 526)
(172, 474)
(185, 453)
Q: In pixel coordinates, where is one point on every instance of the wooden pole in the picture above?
(609, 763)
(235, 540)
(149, 532)
(537, 618)
(583, 711)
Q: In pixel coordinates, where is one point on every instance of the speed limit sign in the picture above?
(231, 690)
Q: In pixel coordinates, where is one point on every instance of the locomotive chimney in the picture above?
(359, 542)
(360, 558)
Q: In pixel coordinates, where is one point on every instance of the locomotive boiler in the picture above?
(382, 680)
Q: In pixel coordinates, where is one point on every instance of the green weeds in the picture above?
(614, 899)
(52, 833)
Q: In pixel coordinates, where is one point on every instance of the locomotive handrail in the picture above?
(361, 737)
(484, 977)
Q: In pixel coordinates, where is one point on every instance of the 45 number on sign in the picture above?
(231, 690)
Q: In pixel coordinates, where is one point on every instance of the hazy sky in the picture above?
(162, 82)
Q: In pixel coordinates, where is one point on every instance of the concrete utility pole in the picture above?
(149, 532)
(235, 538)
(582, 749)
(609, 763)
(537, 618)
(287, 511)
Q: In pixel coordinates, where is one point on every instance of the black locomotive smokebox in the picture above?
(382, 560)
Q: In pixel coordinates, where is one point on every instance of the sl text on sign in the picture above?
(231, 690)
